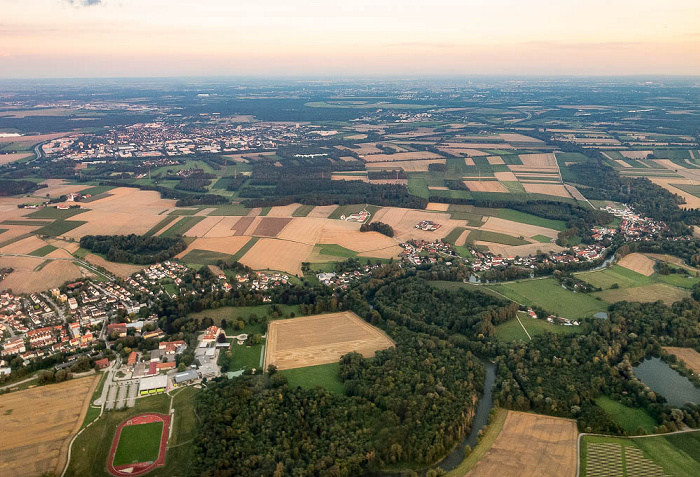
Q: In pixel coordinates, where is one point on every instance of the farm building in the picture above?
(153, 385)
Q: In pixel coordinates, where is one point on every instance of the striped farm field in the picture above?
(661, 455)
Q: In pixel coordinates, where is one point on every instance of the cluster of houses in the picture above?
(342, 280)
(419, 252)
(633, 225)
(427, 225)
(214, 135)
(555, 320)
(484, 261)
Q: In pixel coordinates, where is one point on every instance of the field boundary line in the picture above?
(523, 326)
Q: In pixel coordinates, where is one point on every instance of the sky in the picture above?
(356, 38)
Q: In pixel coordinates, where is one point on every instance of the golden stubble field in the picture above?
(531, 445)
(321, 339)
(37, 425)
(37, 274)
(639, 263)
(687, 355)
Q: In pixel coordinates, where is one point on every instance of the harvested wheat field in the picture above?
(495, 160)
(58, 187)
(342, 177)
(70, 247)
(524, 169)
(114, 223)
(321, 339)
(438, 188)
(308, 230)
(119, 269)
(557, 190)
(457, 151)
(273, 254)
(689, 356)
(439, 206)
(636, 154)
(638, 263)
(362, 149)
(690, 200)
(505, 176)
(538, 160)
(369, 244)
(24, 246)
(16, 156)
(468, 161)
(227, 245)
(404, 221)
(321, 211)
(485, 186)
(37, 426)
(622, 163)
(529, 445)
(203, 227)
(283, 210)
(38, 274)
(271, 226)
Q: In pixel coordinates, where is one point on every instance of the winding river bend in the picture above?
(481, 418)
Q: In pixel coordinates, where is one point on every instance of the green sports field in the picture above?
(139, 443)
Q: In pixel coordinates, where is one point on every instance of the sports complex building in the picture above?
(153, 385)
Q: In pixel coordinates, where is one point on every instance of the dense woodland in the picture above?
(133, 248)
(380, 227)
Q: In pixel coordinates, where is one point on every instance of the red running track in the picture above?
(142, 467)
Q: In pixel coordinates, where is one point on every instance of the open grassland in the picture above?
(324, 375)
(689, 356)
(648, 293)
(302, 210)
(530, 444)
(37, 425)
(524, 218)
(495, 237)
(515, 329)
(181, 226)
(548, 294)
(629, 418)
(675, 454)
(54, 213)
(321, 339)
(138, 443)
(624, 277)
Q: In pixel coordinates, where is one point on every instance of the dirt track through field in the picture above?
(321, 339)
(531, 445)
(37, 425)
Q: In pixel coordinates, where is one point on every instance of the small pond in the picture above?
(663, 380)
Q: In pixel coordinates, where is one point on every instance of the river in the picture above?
(481, 418)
